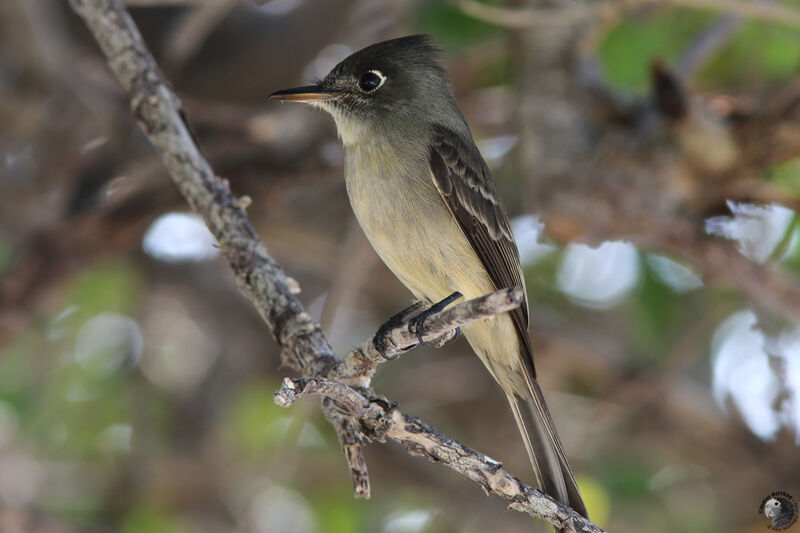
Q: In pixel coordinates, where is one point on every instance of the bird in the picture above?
(780, 510)
(429, 206)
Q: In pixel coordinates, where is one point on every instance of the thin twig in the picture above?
(292, 389)
(261, 279)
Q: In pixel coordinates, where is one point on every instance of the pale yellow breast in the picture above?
(415, 234)
(410, 227)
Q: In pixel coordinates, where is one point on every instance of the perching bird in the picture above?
(780, 510)
(429, 206)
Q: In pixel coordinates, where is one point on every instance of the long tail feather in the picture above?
(544, 447)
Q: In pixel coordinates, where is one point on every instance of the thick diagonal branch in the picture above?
(158, 111)
(262, 280)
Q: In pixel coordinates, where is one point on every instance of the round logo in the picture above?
(781, 510)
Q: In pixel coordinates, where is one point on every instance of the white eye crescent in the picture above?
(371, 81)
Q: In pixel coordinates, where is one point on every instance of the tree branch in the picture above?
(356, 415)
(383, 420)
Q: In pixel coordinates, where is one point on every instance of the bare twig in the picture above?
(352, 438)
(262, 280)
(292, 389)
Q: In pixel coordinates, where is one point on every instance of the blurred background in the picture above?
(649, 156)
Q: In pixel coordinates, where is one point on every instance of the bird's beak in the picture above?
(309, 93)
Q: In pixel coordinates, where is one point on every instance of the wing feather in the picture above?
(463, 179)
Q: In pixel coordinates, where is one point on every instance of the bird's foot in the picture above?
(415, 324)
(379, 341)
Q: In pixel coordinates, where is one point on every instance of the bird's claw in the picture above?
(415, 324)
(379, 341)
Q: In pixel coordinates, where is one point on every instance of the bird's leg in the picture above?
(379, 340)
(416, 323)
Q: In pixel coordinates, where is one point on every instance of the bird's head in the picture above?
(772, 508)
(390, 87)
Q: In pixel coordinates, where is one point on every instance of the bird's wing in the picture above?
(463, 179)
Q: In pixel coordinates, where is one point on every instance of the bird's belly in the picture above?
(417, 237)
(420, 241)
(433, 260)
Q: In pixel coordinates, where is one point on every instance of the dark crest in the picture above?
(413, 53)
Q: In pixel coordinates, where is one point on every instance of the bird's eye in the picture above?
(371, 80)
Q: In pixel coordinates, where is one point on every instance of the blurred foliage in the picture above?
(255, 422)
(5, 257)
(791, 256)
(629, 48)
(770, 53)
(787, 176)
(339, 511)
(109, 288)
(148, 520)
(597, 499)
(452, 27)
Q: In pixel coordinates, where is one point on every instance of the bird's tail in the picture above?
(544, 447)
